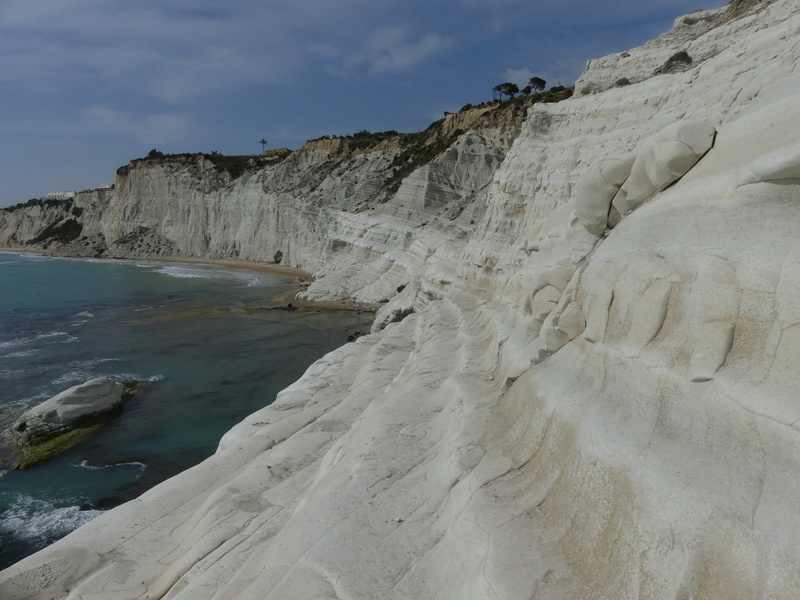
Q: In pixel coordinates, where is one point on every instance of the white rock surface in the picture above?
(598, 188)
(66, 411)
(564, 411)
(663, 159)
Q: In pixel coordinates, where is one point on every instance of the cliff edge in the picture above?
(581, 382)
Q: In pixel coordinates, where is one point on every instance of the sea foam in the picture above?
(36, 520)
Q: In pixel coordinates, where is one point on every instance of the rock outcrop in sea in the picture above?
(581, 381)
(57, 424)
(80, 404)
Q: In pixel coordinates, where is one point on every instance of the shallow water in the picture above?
(190, 330)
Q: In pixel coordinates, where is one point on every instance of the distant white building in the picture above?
(60, 195)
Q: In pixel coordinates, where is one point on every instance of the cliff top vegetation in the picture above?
(417, 147)
(365, 139)
(41, 202)
(234, 165)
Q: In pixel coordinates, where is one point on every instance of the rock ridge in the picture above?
(582, 385)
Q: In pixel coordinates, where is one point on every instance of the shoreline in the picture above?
(244, 265)
(287, 301)
(24, 250)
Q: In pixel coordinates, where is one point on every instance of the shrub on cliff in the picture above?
(505, 89)
(59, 231)
(42, 202)
(364, 139)
(677, 62)
(537, 84)
(28, 204)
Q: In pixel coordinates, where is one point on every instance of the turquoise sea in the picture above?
(191, 330)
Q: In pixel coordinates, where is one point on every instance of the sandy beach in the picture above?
(244, 265)
(303, 277)
(22, 250)
(275, 269)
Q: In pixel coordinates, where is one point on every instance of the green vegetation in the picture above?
(193, 313)
(535, 84)
(422, 147)
(36, 455)
(505, 89)
(132, 387)
(418, 149)
(42, 202)
(235, 166)
(554, 94)
(44, 451)
(738, 8)
(676, 62)
(362, 140)
(59, 231)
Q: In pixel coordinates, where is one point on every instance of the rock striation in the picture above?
(581, 382)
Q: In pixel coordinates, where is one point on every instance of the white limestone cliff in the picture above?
(552, 405)
(311, 206)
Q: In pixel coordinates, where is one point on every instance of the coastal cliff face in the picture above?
(582, 378)
(307, 205)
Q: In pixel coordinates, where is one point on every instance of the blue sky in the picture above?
(86, 85)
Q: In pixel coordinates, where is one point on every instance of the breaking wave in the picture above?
(56, 337)
(84, 464)
(249, 279)
(40, 521)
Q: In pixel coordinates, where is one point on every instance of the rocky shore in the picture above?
(581, 381)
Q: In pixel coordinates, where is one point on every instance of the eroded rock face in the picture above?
(546, 408)
(598, 188)
(80, 404)
(311, 206)
(662, 160)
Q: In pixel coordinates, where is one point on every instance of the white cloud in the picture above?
(114, 74)
(143, 48)
(182, 51)
(519, 76)
(391, 51)
(387, 50)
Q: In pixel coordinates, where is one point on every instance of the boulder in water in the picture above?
(78, 406)
(56, 425)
